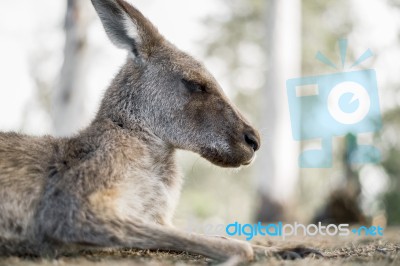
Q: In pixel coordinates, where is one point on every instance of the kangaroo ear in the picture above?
(127, 28)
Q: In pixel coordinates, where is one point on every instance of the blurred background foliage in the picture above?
(68, 53)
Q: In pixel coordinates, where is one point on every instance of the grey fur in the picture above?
(116, 184)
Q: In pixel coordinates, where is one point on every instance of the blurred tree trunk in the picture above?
(69, 95)
(278, 168)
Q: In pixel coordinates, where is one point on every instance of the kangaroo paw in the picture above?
(298, 253)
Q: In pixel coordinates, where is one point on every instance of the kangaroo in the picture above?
(116, 183)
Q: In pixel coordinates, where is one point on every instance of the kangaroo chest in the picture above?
(140, 194)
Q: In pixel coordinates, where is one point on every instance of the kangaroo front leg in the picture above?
(80, 226)
(166, 238)
(89, 230)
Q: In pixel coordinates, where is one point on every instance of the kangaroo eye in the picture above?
(193, 86)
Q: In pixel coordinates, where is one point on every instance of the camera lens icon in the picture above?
(348, 103)
(332, 105)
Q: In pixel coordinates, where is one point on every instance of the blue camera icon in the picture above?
(322, 107)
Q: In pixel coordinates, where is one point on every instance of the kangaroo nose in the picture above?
(253, 140)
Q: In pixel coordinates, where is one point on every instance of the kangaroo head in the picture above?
(170, 93)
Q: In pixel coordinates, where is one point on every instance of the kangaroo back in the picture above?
(23, 162)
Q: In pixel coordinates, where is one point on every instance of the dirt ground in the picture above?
(354, 250)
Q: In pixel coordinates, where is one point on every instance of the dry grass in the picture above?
(337, 251)
(351, 250)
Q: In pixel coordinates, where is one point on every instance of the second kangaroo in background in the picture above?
(116, 184)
